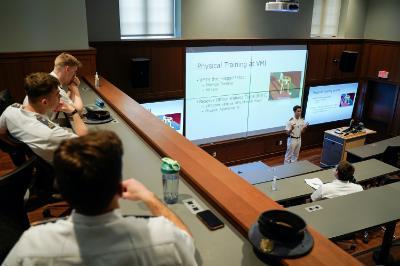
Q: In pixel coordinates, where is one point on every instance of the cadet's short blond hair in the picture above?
(65, 59)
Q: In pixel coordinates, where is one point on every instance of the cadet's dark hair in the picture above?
(89, 171)
(296, 107)
(39, 84)
(345, 171)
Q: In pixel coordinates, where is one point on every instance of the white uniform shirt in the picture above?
(35, 130)
(299, 124)
(64, 98)
(108, 239)
(335, 189)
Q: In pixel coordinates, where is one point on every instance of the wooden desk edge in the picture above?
(237, 200)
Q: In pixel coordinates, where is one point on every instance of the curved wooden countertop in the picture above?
(240, 202)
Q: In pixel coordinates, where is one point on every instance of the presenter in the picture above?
(294, 128)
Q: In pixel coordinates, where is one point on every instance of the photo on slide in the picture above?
(347, 99)
(172, 120)
(284, 85)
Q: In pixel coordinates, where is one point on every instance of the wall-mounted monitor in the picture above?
(329, 103)
(170, 112)
(239, 91)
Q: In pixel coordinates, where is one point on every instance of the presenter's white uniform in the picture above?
(294, 139)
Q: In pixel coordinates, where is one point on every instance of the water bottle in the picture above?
(96, 81)
(170, 178)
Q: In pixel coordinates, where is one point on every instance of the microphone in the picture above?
(351, 123)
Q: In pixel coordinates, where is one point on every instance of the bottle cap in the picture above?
(169, 166)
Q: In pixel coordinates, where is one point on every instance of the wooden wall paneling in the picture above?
(317, 54)
(167, 69)
(38, 64)
(366, 51)
(332, 70)
(106, 65)
(383, 57)
(15, 66)
(88, 65)
(11, 78)
(219, 152)
(272, 143)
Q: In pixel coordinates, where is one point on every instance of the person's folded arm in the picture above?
(134, 190)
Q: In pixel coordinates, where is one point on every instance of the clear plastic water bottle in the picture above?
(274, 186)
(170, 178)
(96, 80)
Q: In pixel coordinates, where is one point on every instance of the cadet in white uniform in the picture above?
(343, 184)
(294, 128)
(35, 130)
(89, 174)
(29, 123)
(65, 68)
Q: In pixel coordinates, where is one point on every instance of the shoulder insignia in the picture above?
(45, 121)
(291, 119)
(16, 105)
(51, 220)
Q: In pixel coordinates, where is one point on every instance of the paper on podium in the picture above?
(314, 182)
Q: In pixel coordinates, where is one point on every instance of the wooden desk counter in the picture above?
(238, 201)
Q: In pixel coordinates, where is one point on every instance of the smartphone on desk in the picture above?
(210, 220)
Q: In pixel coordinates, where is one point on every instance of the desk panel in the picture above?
(373, 149)
(296, 187)
(353, 212)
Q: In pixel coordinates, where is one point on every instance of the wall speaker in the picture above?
(140, 72)
(348, 61)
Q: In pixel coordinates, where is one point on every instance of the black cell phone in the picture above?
(210, 220)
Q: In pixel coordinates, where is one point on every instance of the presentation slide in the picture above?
(239, 91)
(170, 112)
(330, 103)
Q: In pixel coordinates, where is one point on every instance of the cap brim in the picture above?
(280, 249)
(96, 121)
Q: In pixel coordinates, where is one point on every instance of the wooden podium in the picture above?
(335, 145)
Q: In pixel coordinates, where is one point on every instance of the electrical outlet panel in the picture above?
(192, 205)
(314, 208)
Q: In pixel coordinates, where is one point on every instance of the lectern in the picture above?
(336, 143)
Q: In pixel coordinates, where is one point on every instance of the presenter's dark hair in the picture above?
(89, 171)
(38, 85)
(345, 171)
(296, 107)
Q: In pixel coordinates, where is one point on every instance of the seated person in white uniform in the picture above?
(89, 175)
(65, 69)
(342, 185)
(29, 123)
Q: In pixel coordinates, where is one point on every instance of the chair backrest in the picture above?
(13, 185)
(14, 220)
(5, 100)
(392, 156)
(18, 151)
